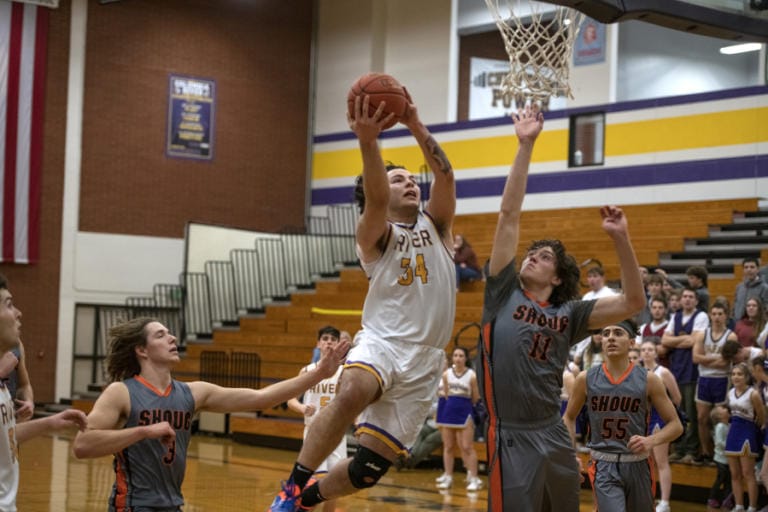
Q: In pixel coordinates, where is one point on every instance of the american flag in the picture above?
(23, 40)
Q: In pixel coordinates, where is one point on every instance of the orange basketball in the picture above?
(380, 87)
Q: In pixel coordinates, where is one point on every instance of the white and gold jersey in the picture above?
(412, 287)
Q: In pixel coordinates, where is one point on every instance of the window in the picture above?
(587, 140)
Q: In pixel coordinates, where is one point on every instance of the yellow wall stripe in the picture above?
(632, 138)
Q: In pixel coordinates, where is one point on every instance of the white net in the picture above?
(539, 41)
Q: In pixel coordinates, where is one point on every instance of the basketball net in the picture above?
(539, 48)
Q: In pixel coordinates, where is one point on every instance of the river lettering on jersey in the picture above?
(324, 388)
(418, 239)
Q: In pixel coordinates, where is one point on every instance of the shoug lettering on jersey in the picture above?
(608, 403)
(179, 420)
(530, 315)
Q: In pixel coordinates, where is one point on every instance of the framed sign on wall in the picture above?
(191, 104)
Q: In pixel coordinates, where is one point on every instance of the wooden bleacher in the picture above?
(285, 336)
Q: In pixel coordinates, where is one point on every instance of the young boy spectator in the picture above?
(697, 280)
(721, 487)
(653, 330)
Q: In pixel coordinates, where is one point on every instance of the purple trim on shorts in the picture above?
(367, 365)
(383, 433)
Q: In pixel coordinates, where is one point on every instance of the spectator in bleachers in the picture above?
(751, 323)
(597, 289)
(729, 322)
(673, 302)
(653, 289)
(467, 268)
(644, 274)
(697, 280)
(669, 284)
(762, 337)
(679, 338)
(592, 354)
(752, 286)
(712, 385)
(653, 330)
(764, 273)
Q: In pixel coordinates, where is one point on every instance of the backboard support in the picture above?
(742, 21)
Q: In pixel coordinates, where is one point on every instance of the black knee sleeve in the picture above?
(366, 468)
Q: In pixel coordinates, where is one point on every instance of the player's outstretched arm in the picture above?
(442, 197)
(105, 435)
(609, 310)
(62, 420)
(528, 126)
(367, 124)
(25, 397)
(210, 397)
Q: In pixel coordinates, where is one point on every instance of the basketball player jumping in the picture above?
(391, 376)
(531, 317)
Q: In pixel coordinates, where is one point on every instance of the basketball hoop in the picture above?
(539, 48)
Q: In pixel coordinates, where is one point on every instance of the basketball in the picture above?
(380, 87)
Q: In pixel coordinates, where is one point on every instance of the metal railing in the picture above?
(221, 285)
(235, 369)
(245, 263)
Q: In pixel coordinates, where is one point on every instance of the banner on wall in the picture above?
(190, 117)
(53, 4)
(589, 45)
(486, 97)
(23, 43)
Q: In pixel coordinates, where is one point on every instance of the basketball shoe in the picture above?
(289, 499)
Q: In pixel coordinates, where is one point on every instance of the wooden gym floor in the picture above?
(225, 476)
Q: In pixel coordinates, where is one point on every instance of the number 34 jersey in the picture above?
(412, 287)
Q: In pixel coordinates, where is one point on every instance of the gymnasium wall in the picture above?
(701, 147)
(114, 206)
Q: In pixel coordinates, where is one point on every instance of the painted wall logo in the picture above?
(486, 95)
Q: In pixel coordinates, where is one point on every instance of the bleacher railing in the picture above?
(230, 272)
(227, 273)
(235, 369)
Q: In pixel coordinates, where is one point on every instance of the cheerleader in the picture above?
(741, 446)
(455, 420)
(649, 360)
